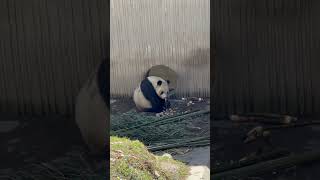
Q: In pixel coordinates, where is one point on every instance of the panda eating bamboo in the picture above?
(151, 95)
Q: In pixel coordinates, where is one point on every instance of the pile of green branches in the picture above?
(160, 133)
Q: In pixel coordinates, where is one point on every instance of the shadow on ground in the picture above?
(38, 147)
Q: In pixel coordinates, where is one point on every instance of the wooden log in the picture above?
(165, 73)
(260, 131)
(269, 115)
(267, 166)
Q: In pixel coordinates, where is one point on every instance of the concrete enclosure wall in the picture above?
(48, 48)
(267, 56)
(175, 33)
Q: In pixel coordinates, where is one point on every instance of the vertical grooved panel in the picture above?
(48, 49)
(276, 69)
(174, 33)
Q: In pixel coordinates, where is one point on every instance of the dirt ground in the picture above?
(228, 146)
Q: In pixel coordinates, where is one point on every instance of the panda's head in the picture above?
(160, 86)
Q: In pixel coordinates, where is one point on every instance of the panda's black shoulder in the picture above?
(148, 90)
(150, 94)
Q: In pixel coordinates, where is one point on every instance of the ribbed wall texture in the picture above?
(48, 48)
(268, 56)
(175, 33)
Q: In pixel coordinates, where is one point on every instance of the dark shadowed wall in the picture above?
(48, 48)
(268, 56)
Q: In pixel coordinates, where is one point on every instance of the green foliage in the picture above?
(154, 131)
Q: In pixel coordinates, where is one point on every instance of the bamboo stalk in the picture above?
(263, 167)
(179, 144)
(293, 125)
(267, 115)
(263, 118)
(163, 121)
(189, 140)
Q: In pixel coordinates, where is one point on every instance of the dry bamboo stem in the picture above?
(263, 167)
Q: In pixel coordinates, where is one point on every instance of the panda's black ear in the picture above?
(159, 83)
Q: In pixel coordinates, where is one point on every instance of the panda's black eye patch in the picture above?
(161, 93)
(168, 81)
(159, 83)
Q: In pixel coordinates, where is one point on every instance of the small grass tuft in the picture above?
(131, 160)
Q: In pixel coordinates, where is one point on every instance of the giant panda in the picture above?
(92, 110)
(151, 95)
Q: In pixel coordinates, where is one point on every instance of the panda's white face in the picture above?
(160, 85)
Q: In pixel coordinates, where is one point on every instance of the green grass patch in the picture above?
(131, 160)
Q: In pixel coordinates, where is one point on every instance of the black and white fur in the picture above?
(92, 110)
(151, 95)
